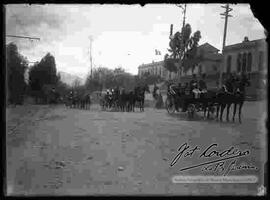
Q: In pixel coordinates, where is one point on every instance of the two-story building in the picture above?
(249, 57)
(210, 61)
(209, 65)
(156, 68)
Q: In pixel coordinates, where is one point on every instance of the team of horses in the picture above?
(231, 93)
(127, 101)
(79, 101)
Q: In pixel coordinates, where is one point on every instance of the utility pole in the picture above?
(184, 17)
(91, 64)
(226, 14)
(184, 11)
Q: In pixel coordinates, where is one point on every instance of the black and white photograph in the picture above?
(117, 99)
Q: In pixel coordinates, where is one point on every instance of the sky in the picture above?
(123, 35)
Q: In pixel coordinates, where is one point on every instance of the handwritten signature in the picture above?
(217, 165)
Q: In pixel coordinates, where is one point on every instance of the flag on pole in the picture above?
(157, 52)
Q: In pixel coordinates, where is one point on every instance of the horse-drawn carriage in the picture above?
(231, 92)
(122, 100)
(190, 102)
(109, 102)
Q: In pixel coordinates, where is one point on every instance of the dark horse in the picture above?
(239, 96)
(224, 99)
(85, 101)
(233, 92)
(139, 93)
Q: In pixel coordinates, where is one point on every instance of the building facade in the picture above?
(248, 57)
(210, 61)
(209, 65)
(156, 68)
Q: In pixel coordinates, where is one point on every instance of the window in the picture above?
(249, 62)
(244, 63)
(260, 61)
(229, 60)
(192, 69)
(214, 67)
(200, 69)
(239, 62)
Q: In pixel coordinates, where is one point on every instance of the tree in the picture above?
(76, 83)
(148, 79)
(106, 78)
(43, 77)
(183, 50)
(16, 67)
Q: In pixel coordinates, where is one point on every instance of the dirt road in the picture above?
(52, 150)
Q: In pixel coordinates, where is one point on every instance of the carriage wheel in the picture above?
(170, 106)
(191, 110)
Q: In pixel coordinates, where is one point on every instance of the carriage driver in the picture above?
(194, 87)
(202, 85)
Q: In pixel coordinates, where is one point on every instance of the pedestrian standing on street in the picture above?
(155, 91)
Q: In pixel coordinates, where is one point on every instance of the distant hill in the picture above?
(69, 78)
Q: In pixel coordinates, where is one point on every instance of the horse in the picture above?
(131, 101)
(139, 93)
(208, 101)
(75, 100)
(122, 100)
(85, 101)
(225, 98)
(69, 100)
(232, 93)
(116, 98)
(239, 96)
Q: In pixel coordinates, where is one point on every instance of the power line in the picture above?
(226, 14)
(23, 37)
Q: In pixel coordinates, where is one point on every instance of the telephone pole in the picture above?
(184, 11)
(226, 14)
(91, 64)
(184, 17)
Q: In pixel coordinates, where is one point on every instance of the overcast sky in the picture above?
(123, 35)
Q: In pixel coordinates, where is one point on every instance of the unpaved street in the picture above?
(52, 150)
